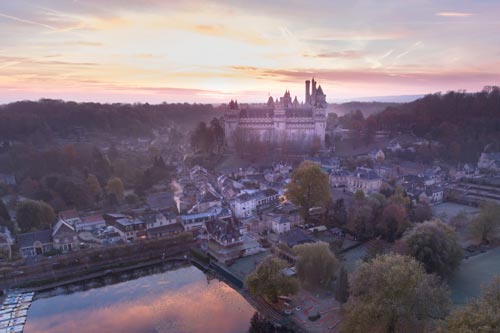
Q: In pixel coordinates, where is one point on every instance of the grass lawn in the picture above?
(473, 273)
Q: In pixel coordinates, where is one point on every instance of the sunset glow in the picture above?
(213, 51)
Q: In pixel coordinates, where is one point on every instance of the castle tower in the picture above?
(313, 97)
(308, 94)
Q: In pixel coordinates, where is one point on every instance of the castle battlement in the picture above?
(280, 120)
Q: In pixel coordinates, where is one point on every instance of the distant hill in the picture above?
(367, 108)
(48, 117)
(464, 123)
(383, 99)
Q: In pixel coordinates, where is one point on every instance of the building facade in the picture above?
(279, 121)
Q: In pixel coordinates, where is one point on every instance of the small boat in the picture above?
(14, 329)
(5, 316)
(19, 313)
(4, 324)
(4, 311)
(17, 321)
(23, 306)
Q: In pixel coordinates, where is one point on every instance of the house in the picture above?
(294, 237)
(248, 204)
(164, 230)
(432, 195)
(198, 173)
(71, 217)
(223, 240)
(338, 178)
(280, 225)
(6, 240)
(207, 200)
(489, 161)
(377, 155)
(394, 146)
(129, 228)
(7, 179)
(64, 236)
(154, 219)
(364, 179)
(90, 223)
(35, 243)
(195, 221)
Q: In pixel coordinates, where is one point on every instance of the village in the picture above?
(240, 216)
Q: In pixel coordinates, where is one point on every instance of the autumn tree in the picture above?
(436, 246)
(339, 216)
(421, 212)
(393, 293)
(393, 222)
(309, 188)
(94, 186)
(34, 215)
(268, 280)
(480, 315)
(315, 265)
(115, 187)
(342, 286)
(486, 226)
(4, 213)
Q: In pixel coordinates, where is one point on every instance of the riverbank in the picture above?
(93, 262)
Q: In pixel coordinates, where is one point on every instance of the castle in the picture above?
(279, 121)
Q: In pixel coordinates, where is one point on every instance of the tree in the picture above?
(421, 212)
(392, 293)
(115, 187)
(486, 226)
(374, 248)
(268, 280)
(342, 286)
(309, 188)
(393, 222)
(4, 213)
(339, 212)
(34, 215)
(260, 324)
(94, 186)
(436, 246)
(315, 265)
(480, 315)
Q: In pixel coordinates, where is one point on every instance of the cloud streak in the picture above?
(30, 22)
(454, 14)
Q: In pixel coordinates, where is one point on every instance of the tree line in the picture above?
(46, 117)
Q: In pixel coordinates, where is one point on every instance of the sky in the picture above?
(214, 51)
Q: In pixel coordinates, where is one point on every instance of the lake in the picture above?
(180, 300)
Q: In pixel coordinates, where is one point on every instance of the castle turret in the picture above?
(308, 94)
(313, 96)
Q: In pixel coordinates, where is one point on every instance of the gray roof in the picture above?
(27, 239)
(295, 237)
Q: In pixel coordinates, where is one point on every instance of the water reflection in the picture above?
(178, 301)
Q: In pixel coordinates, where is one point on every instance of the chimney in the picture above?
(308, 94)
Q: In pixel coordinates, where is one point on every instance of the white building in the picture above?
(280, 225)
(279, 121)
(248, 204)
(364, 179)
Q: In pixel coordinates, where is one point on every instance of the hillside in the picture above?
(367, 108)
(463, 122)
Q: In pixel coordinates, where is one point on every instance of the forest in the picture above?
(463, 123)
(21, 120)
